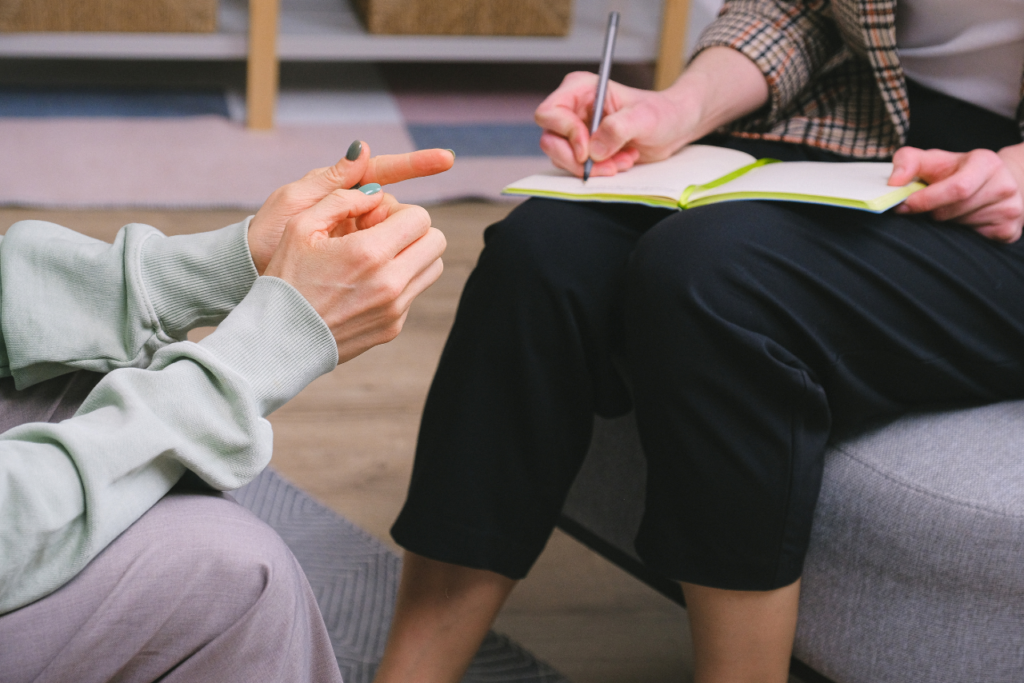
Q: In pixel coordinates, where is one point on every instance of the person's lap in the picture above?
(757, 333)
(198, 589)
(748, 333)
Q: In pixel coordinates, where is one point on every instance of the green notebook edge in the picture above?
(876, 205)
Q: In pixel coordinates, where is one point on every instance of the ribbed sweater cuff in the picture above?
(195, 280)
(276, 341)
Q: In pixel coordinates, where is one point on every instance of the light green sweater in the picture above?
(70, 302)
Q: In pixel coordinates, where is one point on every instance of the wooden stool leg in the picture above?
(261, 84)
(673, 40)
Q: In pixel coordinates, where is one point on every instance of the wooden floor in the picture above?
(348, 440)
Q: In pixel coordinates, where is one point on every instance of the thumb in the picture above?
(614, 133)
(930, 165)
(905, 166)
(347, 172)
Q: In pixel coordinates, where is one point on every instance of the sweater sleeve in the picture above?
(68, 489)
(70, 302)
(790, 41)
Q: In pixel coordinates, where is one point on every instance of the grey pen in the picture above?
(602, 82)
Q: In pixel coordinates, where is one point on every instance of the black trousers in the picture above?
(746, 335)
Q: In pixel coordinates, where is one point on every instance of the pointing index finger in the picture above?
(394, 168)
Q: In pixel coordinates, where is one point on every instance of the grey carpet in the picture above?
(355, 578)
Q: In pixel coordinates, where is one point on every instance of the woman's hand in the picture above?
(267, 226)
(642, 125)
(638, 125)
(360, 280)
(981, 189)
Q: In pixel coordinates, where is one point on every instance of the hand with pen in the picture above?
(640, 126)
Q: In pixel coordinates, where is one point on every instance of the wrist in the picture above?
(720, 86)
(687, 99)
(276, 341)
(196, 280)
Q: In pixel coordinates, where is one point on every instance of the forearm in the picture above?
(68, 489)
(70, 302)
(726, 86)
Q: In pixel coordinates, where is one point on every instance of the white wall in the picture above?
(701, 14)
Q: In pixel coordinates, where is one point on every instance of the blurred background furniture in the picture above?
(915, 571)
(266, 32)
(467, 17)
(144, 16)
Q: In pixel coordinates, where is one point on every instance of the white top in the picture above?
(971, 50)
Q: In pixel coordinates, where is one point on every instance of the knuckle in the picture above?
(616, 125)
(576, 77)
(390, 332)
(341, 194)
(1006, 186)
(959, 187)
(389, 289)
(985, 157)
(419, 215)
(333, 175)
(289, 194)
(367, 253)
(1017, 206)
(902, 153)
(439, 239)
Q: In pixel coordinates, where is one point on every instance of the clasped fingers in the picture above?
(370, 306)
(361, 282)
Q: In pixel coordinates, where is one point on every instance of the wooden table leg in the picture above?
(262, 77)
(674, 18)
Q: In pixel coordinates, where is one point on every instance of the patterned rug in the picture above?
(355, 580)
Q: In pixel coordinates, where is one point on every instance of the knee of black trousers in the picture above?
(722, 391)
(556, 267)
(702, 261)
(540, 241)
(743, 263)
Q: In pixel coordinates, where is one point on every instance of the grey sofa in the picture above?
(915, 571)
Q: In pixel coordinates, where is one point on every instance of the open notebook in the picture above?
(701, 174)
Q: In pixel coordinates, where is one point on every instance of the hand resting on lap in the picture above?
(981, 189)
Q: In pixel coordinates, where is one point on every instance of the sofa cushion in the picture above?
(915, 570)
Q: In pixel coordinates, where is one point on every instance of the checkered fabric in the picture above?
(832, 69)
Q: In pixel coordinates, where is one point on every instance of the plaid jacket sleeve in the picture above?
(832, 70)
(789, 40)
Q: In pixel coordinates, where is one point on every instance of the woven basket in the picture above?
(161, 16)
(467, 17)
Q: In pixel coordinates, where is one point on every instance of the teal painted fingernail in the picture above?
(453, 153)
(354, 150)
(370, 188)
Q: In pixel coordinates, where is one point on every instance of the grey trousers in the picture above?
(198, 589)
